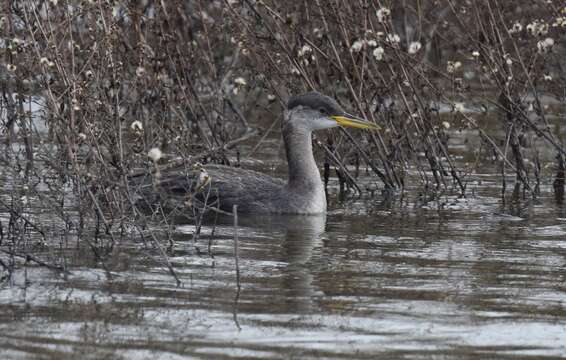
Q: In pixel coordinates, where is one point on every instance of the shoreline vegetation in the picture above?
(96, 91)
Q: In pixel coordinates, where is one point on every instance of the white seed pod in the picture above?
(155, 154)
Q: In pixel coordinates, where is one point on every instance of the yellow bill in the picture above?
(355, 123)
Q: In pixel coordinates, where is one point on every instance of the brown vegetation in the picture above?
(115, 80)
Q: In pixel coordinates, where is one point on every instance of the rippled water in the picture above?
(455, 278)
(473, 279)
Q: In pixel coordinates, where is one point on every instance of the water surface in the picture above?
(473, 279)
(374, 278)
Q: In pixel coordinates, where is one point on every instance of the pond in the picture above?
(369, 279)
(374, 278)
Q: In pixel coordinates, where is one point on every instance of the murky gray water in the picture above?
(366, 281)
(457, 278)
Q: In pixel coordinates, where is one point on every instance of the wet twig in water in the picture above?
(36, 260)
(25, 220)
(213, 228)
(236, 245)
(341, 166)
(236, 257)
(558, 183)
(235, 309)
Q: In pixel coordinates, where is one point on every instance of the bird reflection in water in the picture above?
(298, 238)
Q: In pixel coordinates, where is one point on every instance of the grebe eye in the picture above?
(323, 111)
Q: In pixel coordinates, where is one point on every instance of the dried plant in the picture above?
(96, 93)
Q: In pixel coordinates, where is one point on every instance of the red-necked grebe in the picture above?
(255, 192)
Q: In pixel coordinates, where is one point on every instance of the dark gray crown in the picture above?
(316, 101)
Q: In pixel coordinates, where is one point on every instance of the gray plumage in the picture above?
(255, 192)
